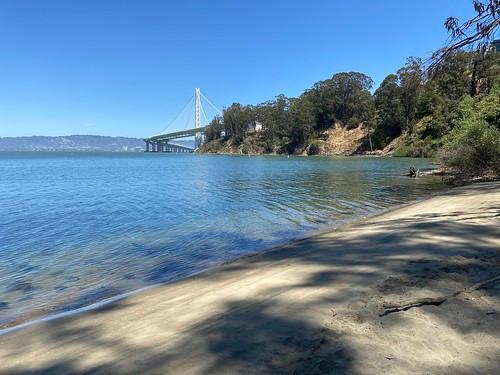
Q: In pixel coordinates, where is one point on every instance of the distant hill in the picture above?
(77, 143)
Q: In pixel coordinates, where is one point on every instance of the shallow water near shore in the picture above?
(76, 228)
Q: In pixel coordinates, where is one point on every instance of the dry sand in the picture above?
(311, 307)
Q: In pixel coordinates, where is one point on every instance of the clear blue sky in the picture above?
(116, 67)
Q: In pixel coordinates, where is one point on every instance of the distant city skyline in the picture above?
(126, 68)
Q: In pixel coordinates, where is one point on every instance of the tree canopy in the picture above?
(426, 110)
(475, 33)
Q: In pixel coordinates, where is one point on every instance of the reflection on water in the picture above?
(80, 227)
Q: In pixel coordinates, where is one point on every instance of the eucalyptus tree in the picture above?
(475, 33)
(389, 111)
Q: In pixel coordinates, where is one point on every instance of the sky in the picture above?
(126, 68)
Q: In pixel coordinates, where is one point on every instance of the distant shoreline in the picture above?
(71, 150)
(77, 143)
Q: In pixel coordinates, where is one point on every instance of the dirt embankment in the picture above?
(337, 140)
(342, 141)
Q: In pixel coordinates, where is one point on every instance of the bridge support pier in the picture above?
(164, 146)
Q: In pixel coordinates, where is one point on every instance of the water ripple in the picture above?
(75, 228)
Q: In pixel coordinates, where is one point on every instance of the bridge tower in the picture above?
(198, 138)
(161, 142)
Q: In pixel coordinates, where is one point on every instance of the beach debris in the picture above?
(389, 356)
(392, 308)
(398, 307)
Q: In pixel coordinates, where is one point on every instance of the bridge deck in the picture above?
(180, 134)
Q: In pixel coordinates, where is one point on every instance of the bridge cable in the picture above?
(204, 115)
(189, 103)
(211, 104)
(189, 118)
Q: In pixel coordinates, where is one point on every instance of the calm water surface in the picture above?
(76, 228)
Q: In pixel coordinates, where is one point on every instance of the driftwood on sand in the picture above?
(436, 301)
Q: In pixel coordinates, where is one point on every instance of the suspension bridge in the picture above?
(165, 141)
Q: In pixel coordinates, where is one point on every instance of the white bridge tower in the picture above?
(161, 142)
(198, 138)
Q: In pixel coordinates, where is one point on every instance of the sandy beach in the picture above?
(414, 290)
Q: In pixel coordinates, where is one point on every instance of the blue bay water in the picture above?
(76, 228)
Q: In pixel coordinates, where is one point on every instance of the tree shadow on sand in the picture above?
(273, 334)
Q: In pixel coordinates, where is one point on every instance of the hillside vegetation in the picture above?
(453, 109)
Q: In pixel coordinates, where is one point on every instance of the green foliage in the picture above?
(473, 147)
(389, 111)
(452, 78)
(289, 123)
(457, 104)
(214, 130)
(344, 98)
(300, 122)
(274, 117)
(485, 72)
(488, 107)
(236, 119)
(463, 110)
(314, 147)
(418, 148)
(410, 82)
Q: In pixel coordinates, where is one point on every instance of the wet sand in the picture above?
(414, 290)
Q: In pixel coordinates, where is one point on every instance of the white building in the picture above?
(254, 127)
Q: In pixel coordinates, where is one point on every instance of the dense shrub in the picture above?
(473, 148)
(314, 148)
(418, 148)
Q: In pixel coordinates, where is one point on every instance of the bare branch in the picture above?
(475, 33)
